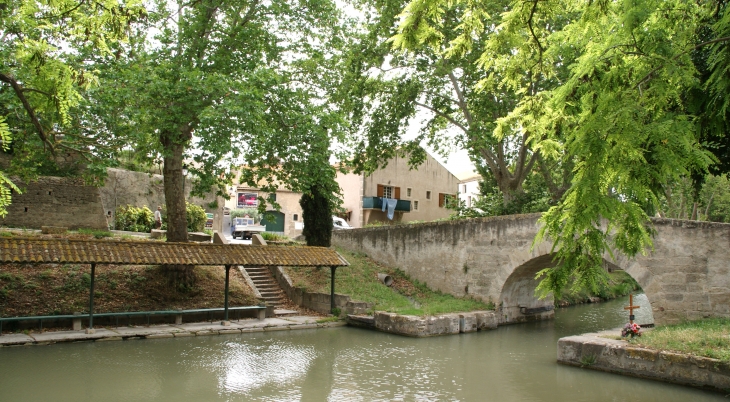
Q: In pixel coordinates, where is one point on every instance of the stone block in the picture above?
(158, 233)
(257, 240)
(199, 237)
(486, 320)
(467, 322)
(219, 238)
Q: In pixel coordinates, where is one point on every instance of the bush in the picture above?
(133, 219)
(196, 217)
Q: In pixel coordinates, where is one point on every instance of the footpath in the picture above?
(167, 331)
(601, 351)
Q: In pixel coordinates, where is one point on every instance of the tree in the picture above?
(619, 116)
(222, 82)
(43, 80)
(394, 87)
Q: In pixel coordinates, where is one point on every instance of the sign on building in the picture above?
(246, 200)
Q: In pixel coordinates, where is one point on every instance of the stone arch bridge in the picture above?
(685, 277)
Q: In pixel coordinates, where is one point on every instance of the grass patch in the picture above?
(707, 338)
(328, 319)
(273, 237)
(360, 281)
(97, 234)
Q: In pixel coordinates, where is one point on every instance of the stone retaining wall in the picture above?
(319, 302)
(56, 201)
(446, 324)
(618, 356)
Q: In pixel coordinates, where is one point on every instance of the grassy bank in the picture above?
(707, 338)
(360, 281)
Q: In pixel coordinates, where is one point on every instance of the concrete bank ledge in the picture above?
(409, 325)
(167, 331)
(618, 356)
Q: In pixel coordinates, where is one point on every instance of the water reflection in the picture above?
(513, 363)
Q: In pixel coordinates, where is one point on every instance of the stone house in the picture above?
(422, 193)
(288, 220)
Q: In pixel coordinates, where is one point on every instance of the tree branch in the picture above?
(18, 88)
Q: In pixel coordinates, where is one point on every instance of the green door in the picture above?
(277, 225)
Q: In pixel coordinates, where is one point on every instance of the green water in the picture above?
(512, 363)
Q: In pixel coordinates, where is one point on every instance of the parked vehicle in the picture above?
(245, 228)
(339, 223)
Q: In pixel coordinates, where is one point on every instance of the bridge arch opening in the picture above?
(519, 303)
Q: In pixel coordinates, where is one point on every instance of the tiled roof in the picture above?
(33, 250)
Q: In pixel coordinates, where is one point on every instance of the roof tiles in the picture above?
(33, 250)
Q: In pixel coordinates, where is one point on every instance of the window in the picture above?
(296, 217)
(415, 205)
(272, 197)
(388, 191)
(468, 201)
(408, 192)
(463, 188)
(445, 199)
(428, 195)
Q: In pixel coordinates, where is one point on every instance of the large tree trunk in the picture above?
(181, 276)
(177, 224)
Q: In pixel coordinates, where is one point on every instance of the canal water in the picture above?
(512, 363)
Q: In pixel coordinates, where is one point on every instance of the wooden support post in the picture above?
(90, 330)
(332, 290)
(225, 305)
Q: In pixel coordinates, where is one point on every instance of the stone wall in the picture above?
(320, 302)
(124, 187)
(56, 201)
(60, 201)
(686, 276)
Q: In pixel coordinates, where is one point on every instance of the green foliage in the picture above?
(45, 76)
(251, 212)
(317, 215)
(98, 234)
(601, 90)
(133, 219)
(196, 217)
(273, 237)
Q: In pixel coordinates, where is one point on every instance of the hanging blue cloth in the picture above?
(384, 202)
(392, 202)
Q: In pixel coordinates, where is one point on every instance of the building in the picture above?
(288, 220)
(421, 193)
(469, 190)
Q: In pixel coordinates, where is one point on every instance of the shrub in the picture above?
(133, 219)
(196, 217)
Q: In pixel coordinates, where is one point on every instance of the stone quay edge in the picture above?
(596, 352)
(166, 331)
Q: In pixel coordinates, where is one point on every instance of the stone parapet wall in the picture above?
(595, 352)
(56, 201)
